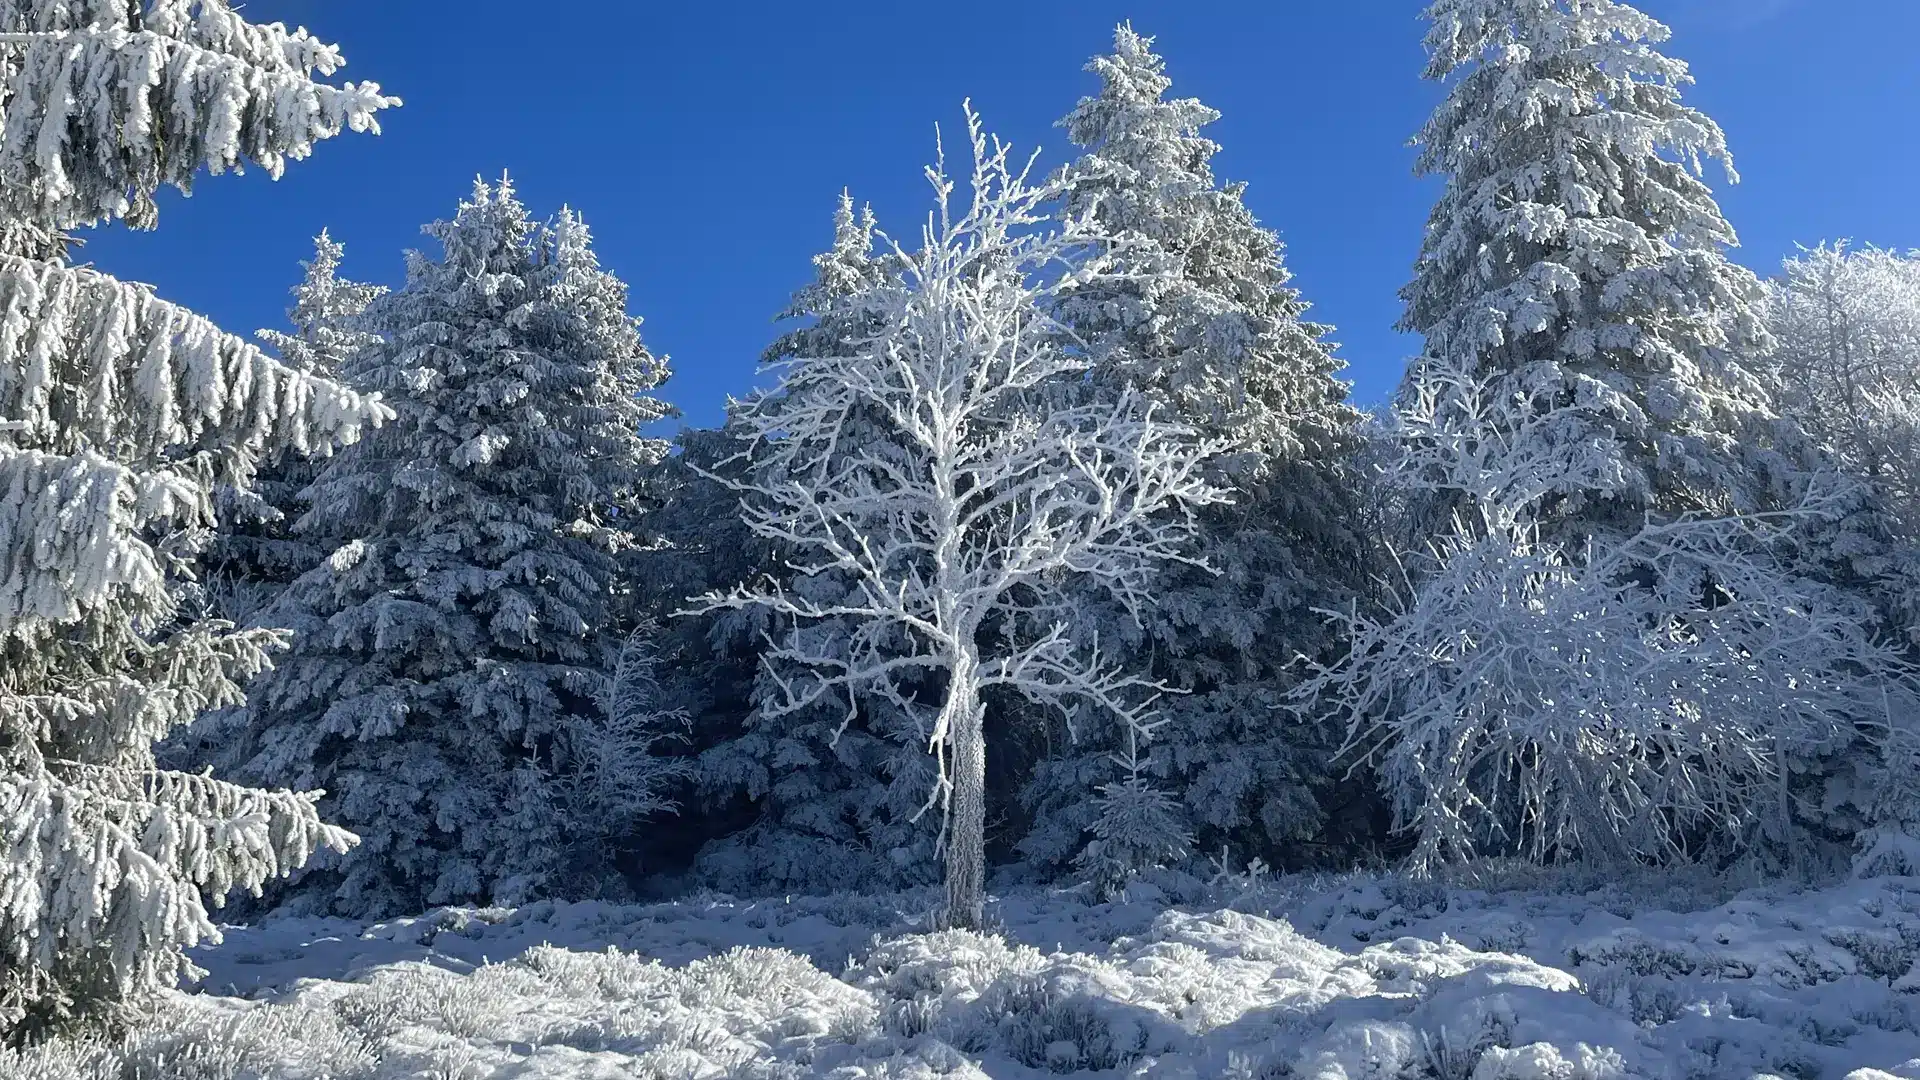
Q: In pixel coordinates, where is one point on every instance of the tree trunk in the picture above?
(967, 818)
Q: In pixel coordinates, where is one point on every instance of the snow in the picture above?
(1329, 979)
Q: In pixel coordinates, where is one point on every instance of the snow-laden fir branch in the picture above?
(99, 116)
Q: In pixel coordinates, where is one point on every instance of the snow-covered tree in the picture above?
(1846, 364)
(1136, 824)
(1210, 327)
(952, 534)
(836, 803)
(257, 555)
(620, 770)
(463, 621)
(1577, 253)
(120, 415)
(1846, 369)
(1627, 699)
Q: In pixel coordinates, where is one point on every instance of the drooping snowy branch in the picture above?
(98, 116)
(89, 361)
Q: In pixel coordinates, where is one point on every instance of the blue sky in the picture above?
(706, 143)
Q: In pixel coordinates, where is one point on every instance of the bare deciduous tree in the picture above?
(988, 493)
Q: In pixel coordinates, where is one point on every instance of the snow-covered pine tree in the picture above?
(1136, 824)
(945, 540)
(257, 554)
(835, 801)
(462, 622)
(120, 414)
(1577, 253)
(1209, 325)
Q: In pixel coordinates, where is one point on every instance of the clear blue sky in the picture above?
(706, 142)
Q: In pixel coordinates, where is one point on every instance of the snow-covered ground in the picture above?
(1331, 979)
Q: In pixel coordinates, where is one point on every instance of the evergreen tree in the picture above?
(835, 800)
(257, 554)
(120, 414)
(1577, 254)
(1209, 325)
(463, 621)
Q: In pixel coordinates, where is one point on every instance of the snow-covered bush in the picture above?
(942, 546)
(120, 415)
(461, 625)
(1628, 700)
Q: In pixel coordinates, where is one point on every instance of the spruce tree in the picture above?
(835, 800)
(463, 622)
(1208, 323)
(120, 415)
(1577, 256)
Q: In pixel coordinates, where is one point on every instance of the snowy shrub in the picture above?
(1539, 1060)
(250, 1043)
(184, 1040)
(1621, 701)
(982, 995)
(120, 415)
